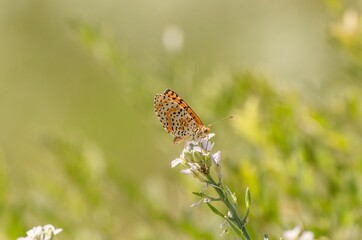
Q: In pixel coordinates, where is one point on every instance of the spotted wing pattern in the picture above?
(176, 116)
(171, 94)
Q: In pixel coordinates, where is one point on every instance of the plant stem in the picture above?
(219, 188)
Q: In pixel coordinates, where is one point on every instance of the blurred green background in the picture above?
(81, 148)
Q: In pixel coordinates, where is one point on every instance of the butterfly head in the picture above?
(203, 131)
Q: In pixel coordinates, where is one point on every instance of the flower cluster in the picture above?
(197, 159)
(46, 232)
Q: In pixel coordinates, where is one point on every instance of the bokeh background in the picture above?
(81, 148)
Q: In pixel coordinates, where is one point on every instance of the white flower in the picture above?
(307, 235)
(292, 234)
(204, 200)
(196, 157)
(297, 234)
(41, 233)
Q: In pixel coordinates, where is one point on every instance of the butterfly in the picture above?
(178, 118)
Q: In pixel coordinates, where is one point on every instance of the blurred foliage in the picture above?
(302, 162)
(82, 149)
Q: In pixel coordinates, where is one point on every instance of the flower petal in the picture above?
(193, 166)
(292, 234)
(34, 231)
(197, 149)
(197, 203)
(216, 158)
(210, 135)
(176, 162)
(206, 144)
(58, 230)
(187, 171)
(307, 235)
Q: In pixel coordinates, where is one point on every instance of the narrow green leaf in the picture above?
(198, 194)
(247, 198)
(215, 210)
(247, 203)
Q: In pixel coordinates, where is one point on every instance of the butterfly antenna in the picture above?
(222, 119)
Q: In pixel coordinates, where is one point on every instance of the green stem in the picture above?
(226, 200)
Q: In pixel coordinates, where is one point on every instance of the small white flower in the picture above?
(204, 200)
(196, 156)
(307, 235)
(292, 234)
(197, 203)
(41, 233)
(297, 234)
(223, 224)
(225, 227)
(207, 200)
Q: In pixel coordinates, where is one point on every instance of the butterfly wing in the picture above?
(175, 97)
(174, 118)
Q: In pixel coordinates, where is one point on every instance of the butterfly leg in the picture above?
(177, 140)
